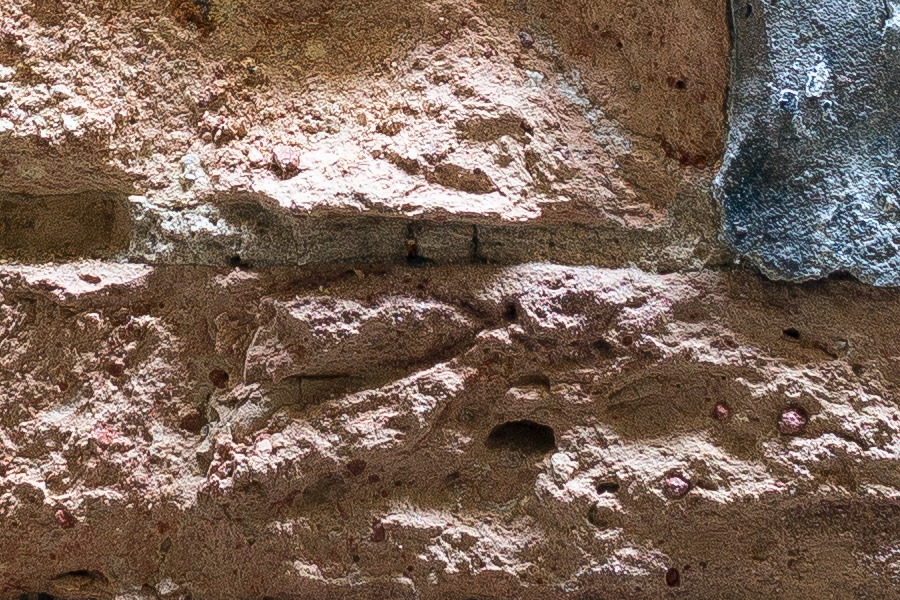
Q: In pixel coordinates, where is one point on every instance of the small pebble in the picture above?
(721, 412)
(526, 40)
(792, 421)
(676, 486)
(65, 519)
(378, 532)
(285, 161)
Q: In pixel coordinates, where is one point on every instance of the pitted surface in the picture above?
(427, 300)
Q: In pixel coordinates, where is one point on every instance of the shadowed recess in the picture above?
(44, 228)
(525, 436)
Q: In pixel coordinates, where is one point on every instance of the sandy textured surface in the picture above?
(531, 431)
(530, 112)
(413, 300)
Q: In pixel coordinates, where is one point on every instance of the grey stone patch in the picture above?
(442, 243)
(249, 231)
(808, 183)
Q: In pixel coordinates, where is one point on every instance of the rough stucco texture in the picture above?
(231, 126)
(809, 180)
(533, 431)
(428, 300)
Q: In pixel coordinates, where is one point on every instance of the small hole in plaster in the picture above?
(608, 487)
(218, 378)
(525, 436)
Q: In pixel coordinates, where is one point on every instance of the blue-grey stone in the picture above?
(809, 181)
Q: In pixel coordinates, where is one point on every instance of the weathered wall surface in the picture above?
(419, 300)
(231, 434)
(233, 128)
